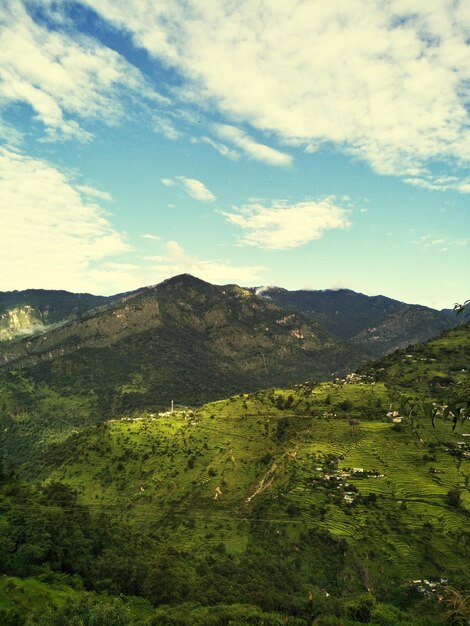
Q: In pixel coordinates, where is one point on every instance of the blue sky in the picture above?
(295, 143)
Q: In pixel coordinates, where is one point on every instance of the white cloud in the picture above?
(385, 81)
(221, 148)
(151, 236)
(10, 135)
(177, 261)
(51, 236)
(163, 125)
(91, 192)
(431, 241)
(193, 187)
(253, 149)
(126, 267)
(196, 189)
(63, 76)
(282, 225)
(441, 183)
(464, 186)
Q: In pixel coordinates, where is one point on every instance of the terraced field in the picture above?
(309, 489)
(212, 477)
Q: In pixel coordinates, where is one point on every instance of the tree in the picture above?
(457, 605)
(453, 497)
(462, 309)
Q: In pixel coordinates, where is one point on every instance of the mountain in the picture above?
(377, 323)
(301, 505)
(184, 340)
(34, 310)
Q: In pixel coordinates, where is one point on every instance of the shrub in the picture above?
(361, 609)
(453, 497)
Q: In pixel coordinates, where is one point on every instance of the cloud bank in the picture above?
(64, 79)
(388, 82)
(51, 232)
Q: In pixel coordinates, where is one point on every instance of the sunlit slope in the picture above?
(286, 471)
(261, 498)
(437, 369)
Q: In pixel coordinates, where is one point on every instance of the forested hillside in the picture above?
(183, 340)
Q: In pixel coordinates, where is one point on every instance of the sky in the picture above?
(298, 143)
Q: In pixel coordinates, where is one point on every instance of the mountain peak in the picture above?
(185, 280)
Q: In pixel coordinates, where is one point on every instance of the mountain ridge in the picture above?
(188, 339)
(32, 311)
(379, 323)
(349, 315)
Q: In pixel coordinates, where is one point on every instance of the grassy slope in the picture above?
(166, 472)
(267, 457)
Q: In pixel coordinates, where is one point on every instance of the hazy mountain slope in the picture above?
(377, 323)
(184, 339)
(34, 310)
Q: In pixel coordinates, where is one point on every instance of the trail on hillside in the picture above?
(268, 478)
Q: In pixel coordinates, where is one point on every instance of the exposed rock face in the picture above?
(33, 311)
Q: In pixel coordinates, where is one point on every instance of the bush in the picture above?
(292, 509)
(84, 612)
(11, 617)
(453, 497)
(361, 609)
(387, 615)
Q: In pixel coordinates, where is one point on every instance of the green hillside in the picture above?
(307, 502)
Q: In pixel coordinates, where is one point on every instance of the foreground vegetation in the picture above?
(306, 505)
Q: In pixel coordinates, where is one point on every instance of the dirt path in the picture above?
(268, 478)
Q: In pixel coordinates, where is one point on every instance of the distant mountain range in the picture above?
(377, 323)
(190, 341)
(32, 311)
